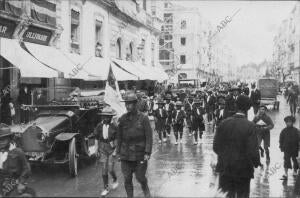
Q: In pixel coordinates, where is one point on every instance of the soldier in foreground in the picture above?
(134, 145)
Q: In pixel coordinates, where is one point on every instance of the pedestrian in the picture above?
(289, 145)
(229, 109)
(188, 106)
(24, 100)
(14, 167)
(169, 107)
(6, 112)
(178, 120)
(142, 103)
(134, 145)
(236, 145)
(255, 97)
(160, 118)
(211, 101)
(292, 100)
(106, 135)
(265, 124)
(197, 119)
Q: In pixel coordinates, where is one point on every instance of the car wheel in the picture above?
(73, 161)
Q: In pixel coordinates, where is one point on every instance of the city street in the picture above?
(174, 171)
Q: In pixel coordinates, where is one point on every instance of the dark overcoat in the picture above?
(236, 145)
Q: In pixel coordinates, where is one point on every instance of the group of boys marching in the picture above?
(175, 115)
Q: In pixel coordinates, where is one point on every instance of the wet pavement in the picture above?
(182, 170)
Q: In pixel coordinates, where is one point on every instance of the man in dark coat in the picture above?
(134, 145)
(255, 98)
(210, 106)
(289, 145)
(229, 109)
(236, 145)
(40, 99)
(24, 99)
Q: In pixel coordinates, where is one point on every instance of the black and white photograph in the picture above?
(149, 98)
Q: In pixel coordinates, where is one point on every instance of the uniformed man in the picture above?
(169, 107)
(197, 118)
(188, 106)
(178, 119)
(160, 117)
(134, 144)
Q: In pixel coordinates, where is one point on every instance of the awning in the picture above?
(73, 66)
(132, 69)
(120, 74)
(11, 50)
(151, 74)
(161, 73)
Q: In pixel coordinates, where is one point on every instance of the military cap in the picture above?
(290, 118)
(108, 111)
(130, 97)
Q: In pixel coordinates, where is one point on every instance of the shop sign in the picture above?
(37, 35)
(7, 28)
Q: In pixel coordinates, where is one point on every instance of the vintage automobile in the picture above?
(60, 133)
(269, 90)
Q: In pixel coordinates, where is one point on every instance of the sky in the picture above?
(250, 33)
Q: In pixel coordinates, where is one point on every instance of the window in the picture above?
(166, 5)
(182, 59)
(182, 40)
(75, 31)
(164, 55)
(99, 37)
(129, 54)
(119, 49)
(183, 24)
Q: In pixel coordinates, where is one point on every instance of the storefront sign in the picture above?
(37, 35)
(7, 28)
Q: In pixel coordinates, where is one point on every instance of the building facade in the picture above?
(286, 48)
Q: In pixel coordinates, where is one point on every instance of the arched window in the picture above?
(119, 48)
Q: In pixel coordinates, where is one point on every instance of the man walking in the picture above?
(134, 145)
(265, 124)
(255, 98)
(236, 145)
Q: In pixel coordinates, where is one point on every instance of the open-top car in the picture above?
(60, 133)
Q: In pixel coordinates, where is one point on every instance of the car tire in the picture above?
(73, 160)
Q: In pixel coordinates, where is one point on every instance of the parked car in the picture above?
(60, 133)
(269, 90)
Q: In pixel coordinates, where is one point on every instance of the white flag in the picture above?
(113, 98)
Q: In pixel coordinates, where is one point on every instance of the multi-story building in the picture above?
(58, 35)
(286, 50)
(186, 50)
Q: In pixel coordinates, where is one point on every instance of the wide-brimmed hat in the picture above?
(178, 103)
(108, 111)
(130, 97)
(5, 132)
(290, 118)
